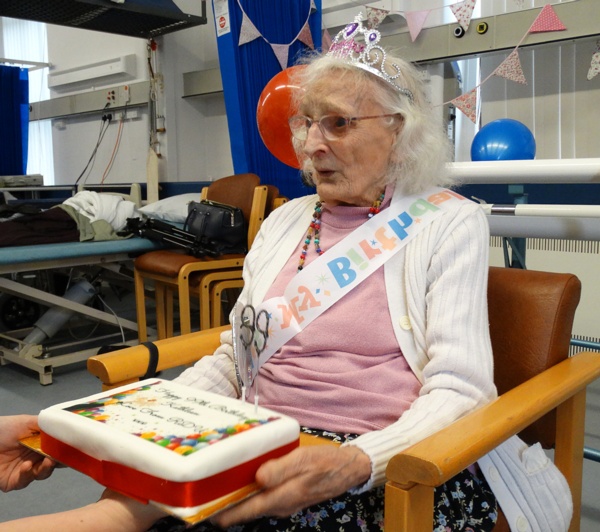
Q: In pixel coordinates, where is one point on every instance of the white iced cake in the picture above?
(169, 444)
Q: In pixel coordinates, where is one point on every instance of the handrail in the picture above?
(545, 171)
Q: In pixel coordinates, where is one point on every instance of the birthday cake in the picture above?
(188, 451)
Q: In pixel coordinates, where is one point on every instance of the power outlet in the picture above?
(111, 97)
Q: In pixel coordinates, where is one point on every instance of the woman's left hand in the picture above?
(306, 476)
(20, 466)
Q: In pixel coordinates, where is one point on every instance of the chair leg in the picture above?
(161, 310)
(140, 306)
(206, 299)
(215, 299)
(568, 456)
(185, 320)
(398, 500)
(170, 312)
(205, 321)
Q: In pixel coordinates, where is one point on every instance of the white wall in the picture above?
(196, 143)
(559, 104)
(196, 127)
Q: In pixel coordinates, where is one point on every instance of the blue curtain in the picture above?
(247, 69)
(14, 120)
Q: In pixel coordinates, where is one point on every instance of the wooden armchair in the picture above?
(531, 317)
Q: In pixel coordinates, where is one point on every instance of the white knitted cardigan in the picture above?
(436, 292)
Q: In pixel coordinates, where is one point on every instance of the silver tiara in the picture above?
(358, 46)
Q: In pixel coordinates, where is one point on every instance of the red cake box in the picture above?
(185, 450)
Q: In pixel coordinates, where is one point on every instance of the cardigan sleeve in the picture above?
(445, 287)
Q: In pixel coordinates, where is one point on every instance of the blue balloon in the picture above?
(503, 140)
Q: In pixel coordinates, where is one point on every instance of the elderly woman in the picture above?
(403, 353)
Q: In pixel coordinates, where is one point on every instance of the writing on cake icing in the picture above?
(151, 412)
(157, 414)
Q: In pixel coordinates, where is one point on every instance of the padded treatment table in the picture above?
(16, 261)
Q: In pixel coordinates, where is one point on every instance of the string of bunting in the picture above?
(249, 32)
(510, 68)
(595, 64)
(467, 103)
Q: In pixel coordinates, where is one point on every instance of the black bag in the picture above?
(211, 229)
(218, 228)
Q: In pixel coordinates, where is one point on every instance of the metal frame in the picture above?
(35, 356)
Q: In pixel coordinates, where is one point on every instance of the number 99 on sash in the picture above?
(250, 333)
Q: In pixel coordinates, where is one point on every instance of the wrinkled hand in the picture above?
(306, 476)
(20, 466)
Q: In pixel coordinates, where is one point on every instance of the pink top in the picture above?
(344, 372)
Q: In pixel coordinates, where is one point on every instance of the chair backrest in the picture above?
(531, 316)
(236, 190)
(243, 191)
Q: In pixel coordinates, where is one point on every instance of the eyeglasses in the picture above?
(333, 127)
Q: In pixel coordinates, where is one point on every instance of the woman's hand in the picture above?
(306, 476)
(20, 466)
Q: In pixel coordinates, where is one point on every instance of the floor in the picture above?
(20, 392)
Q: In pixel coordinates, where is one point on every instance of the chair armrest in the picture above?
(128, 365)
(442, 455)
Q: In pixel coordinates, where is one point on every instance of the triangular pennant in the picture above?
(463, 11)
(248, 31)
(375, 16)
(511, 69)
(326, 40)
(467, 103)
(313, 7)
(281, 52)
(594, 66)
(415, 21)
(305, 36)
(547, 20)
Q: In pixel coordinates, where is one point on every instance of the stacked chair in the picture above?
(211, 289)
(180, 273)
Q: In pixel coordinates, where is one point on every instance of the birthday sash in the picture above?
(331, 276)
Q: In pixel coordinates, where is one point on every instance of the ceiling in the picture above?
(133, 18)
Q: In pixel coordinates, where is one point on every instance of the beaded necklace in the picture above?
(314, 229)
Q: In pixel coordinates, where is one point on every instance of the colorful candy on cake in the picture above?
(188, 451)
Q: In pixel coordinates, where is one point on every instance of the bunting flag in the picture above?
(326, 40)
(467, 103)
(281, 51)
(511, 69)
(305, 36)
(415, 21)
(248, 31)
(463, 11)
(547, 20)
(594, 66)
(375, 16)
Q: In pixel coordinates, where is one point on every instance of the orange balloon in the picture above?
(272, 114)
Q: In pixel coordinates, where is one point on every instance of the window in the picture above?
(26, 40)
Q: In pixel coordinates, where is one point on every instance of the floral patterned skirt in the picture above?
(464, 503)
